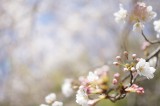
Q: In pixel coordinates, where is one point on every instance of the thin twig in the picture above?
(151, 42)
(154, 53)
(131, 82)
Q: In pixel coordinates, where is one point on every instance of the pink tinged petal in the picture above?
(116, 75)
(115, 81)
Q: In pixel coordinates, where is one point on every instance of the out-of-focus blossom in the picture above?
(50, 98)
(134, 56)
(143, 68)
(57, 103)
(82, 97)
(151, 13)
(158, 36)
(92, 77)
(116, 75)
(115, 81)
(157, 26)
(143, 12)
(83, 80)
(125, 69)
(142, 4)
(116, 63)
(118, 58)
(138, 26)
(133, 69)
(67, 87)
(43, 105)
(102, 70)
(121, 15)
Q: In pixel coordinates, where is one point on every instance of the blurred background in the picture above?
(42, 42)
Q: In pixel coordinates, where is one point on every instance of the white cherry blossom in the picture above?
(67, 87)
(43, 105)
(121, 15)
(92, 77)
(143, 68)
(50, 98)
(151, 14)
(57, 103)
(143, 12)
(157, 25)
(82, 97)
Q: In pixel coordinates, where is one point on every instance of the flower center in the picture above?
(141, 69)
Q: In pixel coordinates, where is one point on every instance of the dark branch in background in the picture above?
(154, 53)
(151, 42)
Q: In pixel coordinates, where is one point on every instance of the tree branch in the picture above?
(151, 42)
(154, 53)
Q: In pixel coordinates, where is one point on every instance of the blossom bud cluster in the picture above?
(140, 66)
(135, 88)
(93, 87)
(116, 78)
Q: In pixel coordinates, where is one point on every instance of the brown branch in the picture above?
(131, 82)
(151, 42)
(124, 79)
(154, 53)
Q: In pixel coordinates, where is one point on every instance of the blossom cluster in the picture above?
(101, 84)
(138, 16)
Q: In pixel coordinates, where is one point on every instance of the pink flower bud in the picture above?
(118, 58)
(137, 59)
(140, 90)
(134, 86)
(116, 63)
(126, 54)
(134, 56)
(89, 90)
(133, 69)
(125, 69)
(115, 81)
(116, 76)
